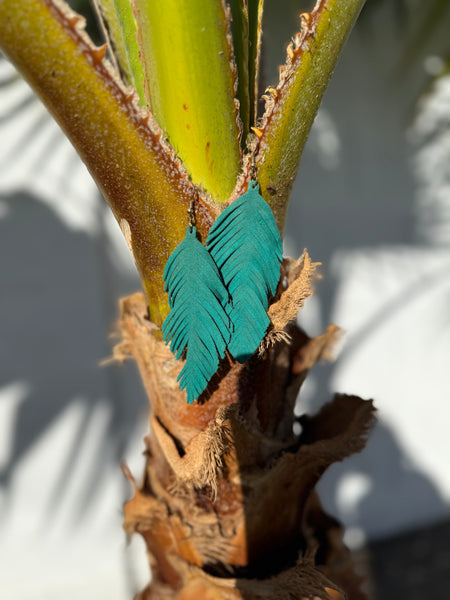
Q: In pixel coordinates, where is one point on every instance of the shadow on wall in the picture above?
(374, 484)
(357, 195)
(55, 314)
(415, 565)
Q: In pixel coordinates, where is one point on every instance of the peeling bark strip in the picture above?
(227, 507)
(200, 465)
(297, 277)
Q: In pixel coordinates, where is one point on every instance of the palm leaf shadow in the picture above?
(58, 298)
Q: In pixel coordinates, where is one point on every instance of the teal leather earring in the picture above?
(219, 295)
(246, 246)
(198, 323)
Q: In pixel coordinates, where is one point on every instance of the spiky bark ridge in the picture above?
(227, 506)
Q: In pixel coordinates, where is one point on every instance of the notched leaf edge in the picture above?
(298, 45)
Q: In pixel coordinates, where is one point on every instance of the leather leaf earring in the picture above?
(198, 323)
(246, 246)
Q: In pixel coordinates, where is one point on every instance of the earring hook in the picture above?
(191, 210)
(253, 168)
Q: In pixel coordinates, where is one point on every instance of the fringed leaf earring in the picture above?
(198, 323)
(246, 246)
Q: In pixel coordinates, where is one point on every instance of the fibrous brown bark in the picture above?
(227, 505)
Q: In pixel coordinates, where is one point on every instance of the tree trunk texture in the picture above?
(227, 507)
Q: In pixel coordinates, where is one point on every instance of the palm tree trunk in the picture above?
(227, 506)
